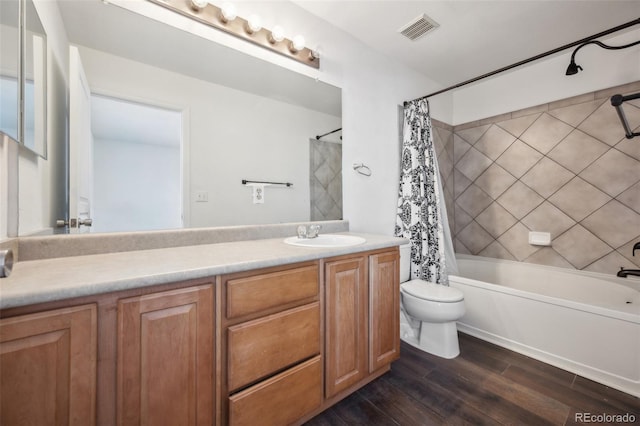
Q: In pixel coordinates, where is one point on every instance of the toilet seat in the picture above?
(433, 292)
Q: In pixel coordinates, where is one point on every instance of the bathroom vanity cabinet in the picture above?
(362, 317)
(48, 367)
(165, 361)
(272, 346)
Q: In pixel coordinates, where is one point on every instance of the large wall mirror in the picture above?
(23, 65)
(9, 67)
(165, 125)
(34, 59)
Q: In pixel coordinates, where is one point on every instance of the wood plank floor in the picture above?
(485, 385)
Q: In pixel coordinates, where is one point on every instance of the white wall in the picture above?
(545, 80)
(42, 181)
(232, 135)
(143, 194)
(373, 86)
(8, 187)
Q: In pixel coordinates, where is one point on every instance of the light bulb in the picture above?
(254, 24)
(315, 53)
(198, 4)
(297, 44)
(277, 34)
(228, 12)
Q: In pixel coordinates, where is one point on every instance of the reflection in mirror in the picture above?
(34, 62)
(9, 54)
(239, 118)
(143, 143)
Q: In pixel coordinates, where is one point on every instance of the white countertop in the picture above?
(47, 280)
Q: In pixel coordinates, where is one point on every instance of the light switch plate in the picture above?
(202, 197)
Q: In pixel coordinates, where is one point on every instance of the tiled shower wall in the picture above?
(325, 180)
(563, 167)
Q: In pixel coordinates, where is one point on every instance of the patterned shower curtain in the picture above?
(420, 203)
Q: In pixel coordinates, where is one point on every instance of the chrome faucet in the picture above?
(310, 231)
(626, 272)
(314, 230)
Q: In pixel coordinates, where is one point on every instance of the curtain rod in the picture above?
(328, 133)
(534, 58)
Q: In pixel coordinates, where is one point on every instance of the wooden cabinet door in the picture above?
(384, 307)
(166, 358)
(48, 368)
(346, 323)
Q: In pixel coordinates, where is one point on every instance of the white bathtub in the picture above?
(582, 322)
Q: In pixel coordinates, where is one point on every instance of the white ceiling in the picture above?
(475, 36)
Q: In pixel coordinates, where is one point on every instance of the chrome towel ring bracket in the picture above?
(362, 169)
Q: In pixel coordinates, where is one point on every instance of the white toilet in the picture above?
(436, 306)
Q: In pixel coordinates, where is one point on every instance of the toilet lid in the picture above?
(430, 291)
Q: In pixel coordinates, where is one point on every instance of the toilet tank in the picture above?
(405, 262)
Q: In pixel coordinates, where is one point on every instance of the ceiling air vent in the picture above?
(418, 27)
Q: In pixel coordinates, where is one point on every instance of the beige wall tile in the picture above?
(631, 197)
(613, 223)
(631, 147)
(548, 256)
(519, 200)
(604, 124)
(580, 247)
(474, 200)
(473, 163)
(497, 251)
(494, 142)
(613, 173)
(609, 264)
(519, 158)
(579, 199)
(546, 177)
(575, 114)
(627, 251)
(474, 238)
(571, 136)
(516, 240)
(496, 220)
(472, 134)
(517, 126)
(495, 180)
(577, 151)
(460, 147)
(545, 133)
(548, 218)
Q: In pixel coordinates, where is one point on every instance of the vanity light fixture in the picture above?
(225, 18)
(228, 12)
(277, 35)
(199, 4)
(297, 44)
(254, 24)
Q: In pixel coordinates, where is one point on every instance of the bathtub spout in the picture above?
(626, 272)
(636, 246)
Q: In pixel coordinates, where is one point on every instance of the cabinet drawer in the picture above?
(256, 293)
(264, 346)
(281, 400)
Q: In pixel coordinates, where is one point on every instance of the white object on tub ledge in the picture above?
(540, 238)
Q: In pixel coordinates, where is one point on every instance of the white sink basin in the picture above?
(326, 240)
